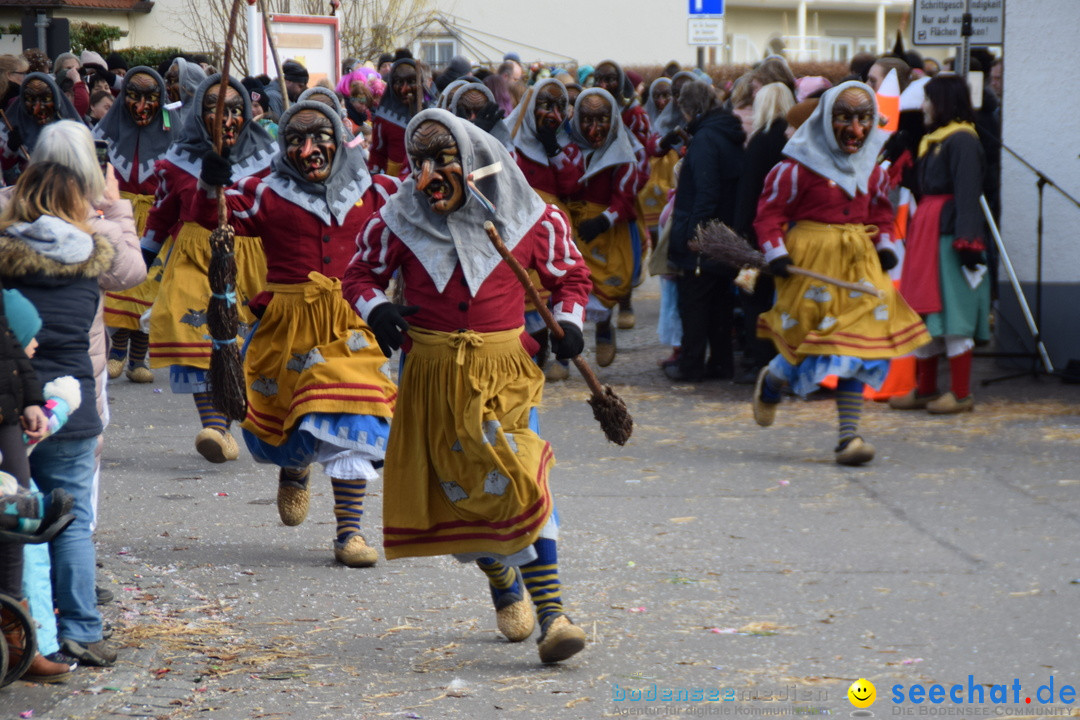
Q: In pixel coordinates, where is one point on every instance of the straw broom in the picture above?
(608, 408)
(222, 318)
(717, 241)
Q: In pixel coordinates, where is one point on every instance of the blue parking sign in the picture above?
(706, 7)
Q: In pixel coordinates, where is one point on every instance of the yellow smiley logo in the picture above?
(862, 693)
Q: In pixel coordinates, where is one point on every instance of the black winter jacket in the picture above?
(708, 184)
(66, 296)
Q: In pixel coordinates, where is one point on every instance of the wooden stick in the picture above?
(25, 152)
(223, 210)
(541, 307)
(857, 287)
(524, 105)
(274, 53)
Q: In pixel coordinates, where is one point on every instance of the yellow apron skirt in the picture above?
(178, 331)
(311, 353)
(811, 317)
(609, 257)
(464, 472)
(124, 309)
(654, 195)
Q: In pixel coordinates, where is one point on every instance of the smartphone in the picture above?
(101, 147)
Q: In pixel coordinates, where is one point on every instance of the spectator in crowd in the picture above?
(101, 101)
(944, 277)
(708, 187)
(13, 68)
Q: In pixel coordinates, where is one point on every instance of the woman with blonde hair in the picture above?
(13, 69)
(768, 134)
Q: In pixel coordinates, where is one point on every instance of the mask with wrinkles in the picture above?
(595, 120)
(142, 98)
(310, 145)
(437, 166)
(852, 119)
(232, 117)
(39, 102)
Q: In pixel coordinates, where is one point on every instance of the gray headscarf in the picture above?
(616, 150)
(254, 148)
(27, 125)
(526, 141)
(447, 94)
(650, 105)
(128, 141)
(671, 118)
(500, 131)
(319, 90)
(814, 144)
(349, 179)
(441, 242)
(191, 76)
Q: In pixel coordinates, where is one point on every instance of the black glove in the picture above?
(387, 321)
(148, 256)
(971, 258)
(489, 117)
(216, 169)
(589, 229)
(887, 258)
(14, 141)
(570, 344)
(669, 140)
(548, 138)
(779, 266)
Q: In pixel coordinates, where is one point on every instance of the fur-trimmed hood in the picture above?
(18, 259)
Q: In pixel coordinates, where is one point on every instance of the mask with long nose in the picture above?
(39, 101)
(852, 119)
(437, 167)
(310, 145)
(142, 98)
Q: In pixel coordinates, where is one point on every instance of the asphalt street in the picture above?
(708, 559)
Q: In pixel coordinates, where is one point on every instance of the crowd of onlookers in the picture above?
(66, 236)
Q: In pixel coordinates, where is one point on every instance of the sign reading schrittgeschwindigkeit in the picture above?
(938, 22)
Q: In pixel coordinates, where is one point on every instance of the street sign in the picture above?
(706, 31)
(706, 8)
(938, 22)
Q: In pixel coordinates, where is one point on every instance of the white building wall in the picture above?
(1041, 123)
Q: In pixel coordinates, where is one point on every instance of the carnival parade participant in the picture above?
(945, 277)
(476, 103)
(466, 472)
(179, 337)
(552, 166)
(826, 208)
(138, 137)
(602, 210)
(404, 98)
(182, 79)
(39, 103)
(317, 386)
(611, 77)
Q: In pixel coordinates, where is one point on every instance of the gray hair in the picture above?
(69, 143)
(58, 64)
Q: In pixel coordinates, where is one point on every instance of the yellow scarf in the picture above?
(943, 132)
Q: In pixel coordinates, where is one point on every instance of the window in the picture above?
(436, 52)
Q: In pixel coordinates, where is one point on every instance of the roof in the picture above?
(113, 5)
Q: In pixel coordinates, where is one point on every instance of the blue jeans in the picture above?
(69, 464)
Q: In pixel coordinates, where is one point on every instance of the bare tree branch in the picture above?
(368, 27)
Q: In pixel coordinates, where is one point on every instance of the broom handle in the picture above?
(524, 105)
(869, 289)
(223, 209)
(274, 53)
(25, 152)
(541, 307)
